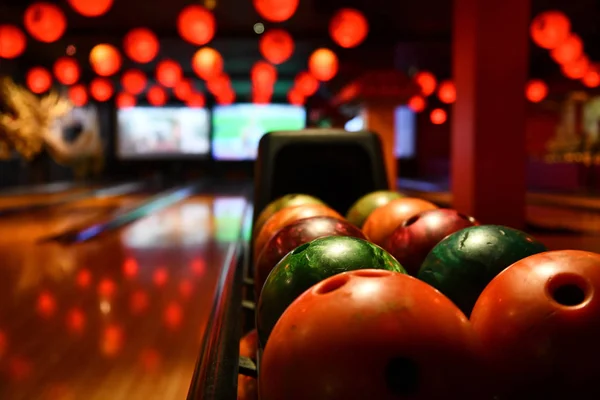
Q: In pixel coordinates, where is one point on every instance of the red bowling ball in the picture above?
(370, 334)
(413, 240)
(539, 324)
(295, 234)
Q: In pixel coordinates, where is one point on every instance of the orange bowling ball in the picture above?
(371, 334)
(384, 220)
(287, 216)
(247, 386)
(539, 324)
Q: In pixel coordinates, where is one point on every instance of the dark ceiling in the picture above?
(403, 34)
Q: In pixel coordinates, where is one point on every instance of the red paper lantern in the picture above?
(207, 63)
(591, 78)
(66, 70)
(348, 27)
(417, 103)
(134, 81)
(105, 59)
(438, 116)
(183, 89)
(536, 90)
(306, 84)
(38, 80)
(276, 10)
(12, 41)
(296, 98)
(196, 100)
(78, 95)
(45, 22)
(576, 69)
(196, 25)
(101, 89)
(569, 50)
(323, 64)
(157, 96)
(426, 81)
(263, 74)
(549, 29)
(228, 97)
(125, 100)
(141, 45)
(276, 46)
(219, 84)
(447, 92)
(91, 8)
(168, 73)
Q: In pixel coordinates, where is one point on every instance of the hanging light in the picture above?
(438, 116)
(134, 81)
(105, 59)
(157, 96)
(66, 70)
(196, 25)
(45, 21)
(168, 73)
(323, 64)
(12, 41)
(447, 92)
(276, 46)
(78, 95)
(306, 84)
(426, 81)
(91, 8)
(276, 10)
(101, 89)
(125, 100)
(348, 27)
(141, 45)
(38, 79)
(417, 103)
(549, 29)
(207, 63)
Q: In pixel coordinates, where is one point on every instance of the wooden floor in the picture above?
(120, 317)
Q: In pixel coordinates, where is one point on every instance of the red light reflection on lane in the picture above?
(112, 340)
(83, 278)
(19, 368)
(185, 288)
(138, 302)
(173, 315)
(107, 288)
(150, 360)
(160, 276)
(75, 320)
(46, 304)
(130, 267)
(3, 343)
(59, 391)
(198, 266)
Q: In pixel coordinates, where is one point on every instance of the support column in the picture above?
(488, 156)
(379, 118)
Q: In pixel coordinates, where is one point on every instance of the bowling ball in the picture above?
(413, 240)
(289, 200)
(539, 324)
(295, 234)
(287, 216)
(309, 264)
(370, 334)
(247, 386)
(461, 265)
(364, 206)
(385, 219)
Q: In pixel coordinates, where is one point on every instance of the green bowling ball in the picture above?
(309, 264)
(364, 206)
(462, 264)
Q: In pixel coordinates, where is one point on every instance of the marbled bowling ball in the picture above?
(461, 265)
(292, 236)
(385, 219)
(413, 240)
(364, 206)
(539, 324)
(289, 200)
(309, 264)
(287, 216)
(247, 386)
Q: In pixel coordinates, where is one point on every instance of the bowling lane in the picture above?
(120, 317)
(22, 199)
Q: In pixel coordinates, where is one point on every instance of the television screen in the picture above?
(145, 132)
(405, 127)
(229, 214)
(237, 128)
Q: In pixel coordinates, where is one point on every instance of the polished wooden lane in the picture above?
(121, 317)
(39, 198)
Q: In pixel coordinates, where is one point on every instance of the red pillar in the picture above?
(490, 62)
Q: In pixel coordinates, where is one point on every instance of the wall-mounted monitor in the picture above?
(237, 128)
(162, 132)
